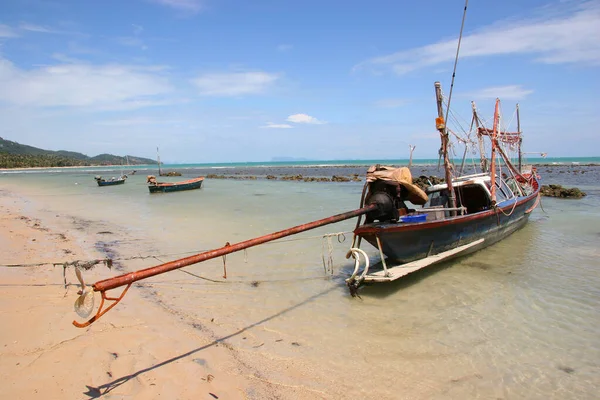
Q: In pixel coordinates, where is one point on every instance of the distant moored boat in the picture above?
(110, 182)
(165, 187)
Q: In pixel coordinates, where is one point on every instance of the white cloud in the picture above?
(303, 119)
(277, 126)
(36, 28)
(284, 47)
(132, 41)
(137, 29)
(183, 5)
(571, 37)
(24, 28)
(138, 121)
(234, 84)
(135, 40)
(110, 86)
(510, 92)
(66, 59)
(7, 32)
(391, 103)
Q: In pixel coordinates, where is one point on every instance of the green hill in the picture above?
(16, 155)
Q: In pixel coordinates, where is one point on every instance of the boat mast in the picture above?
(520, 141)
(493, 156)
(440, 125)
(483, 160)
(412, 148)
(158, 160)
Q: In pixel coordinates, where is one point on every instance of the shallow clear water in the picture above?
(518, 320)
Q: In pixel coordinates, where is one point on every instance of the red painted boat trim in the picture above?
(367, 230)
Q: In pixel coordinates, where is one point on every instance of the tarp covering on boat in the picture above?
(400, 175)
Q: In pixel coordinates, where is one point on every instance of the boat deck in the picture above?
(393, 273)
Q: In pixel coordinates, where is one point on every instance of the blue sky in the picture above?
(224, 80)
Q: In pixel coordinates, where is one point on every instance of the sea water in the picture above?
(518, 320)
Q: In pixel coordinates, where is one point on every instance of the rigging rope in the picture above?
(512, 209)
(462, 25)
(341, 237)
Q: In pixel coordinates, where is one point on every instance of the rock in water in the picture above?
(559, 191)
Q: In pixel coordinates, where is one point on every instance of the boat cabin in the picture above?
(473, 194)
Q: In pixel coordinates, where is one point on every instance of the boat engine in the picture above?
(387, 196)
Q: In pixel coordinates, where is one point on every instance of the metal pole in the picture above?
(127, 279)
(483, 160)
(441, 127)
(462, 164)
(158, 161)
(494, 146)
(520, 140)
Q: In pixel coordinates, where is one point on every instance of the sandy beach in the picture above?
(142, 351)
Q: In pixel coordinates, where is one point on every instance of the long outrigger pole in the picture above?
(129, 278)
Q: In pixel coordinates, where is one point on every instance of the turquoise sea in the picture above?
(518, 320)
(309, 163)
(431, 161)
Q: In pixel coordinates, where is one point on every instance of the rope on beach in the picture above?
(84, 265)
(78, 264)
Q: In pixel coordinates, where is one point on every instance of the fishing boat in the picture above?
(166, 187)
(450, 219)
(457, 217)
(462, 214)
(111, 181)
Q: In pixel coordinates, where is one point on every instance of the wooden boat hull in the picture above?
(190, 184)
(406, 242)
(111, 183)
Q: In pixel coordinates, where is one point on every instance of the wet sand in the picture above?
(143, 351)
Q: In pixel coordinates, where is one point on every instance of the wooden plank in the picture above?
(405, 269)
